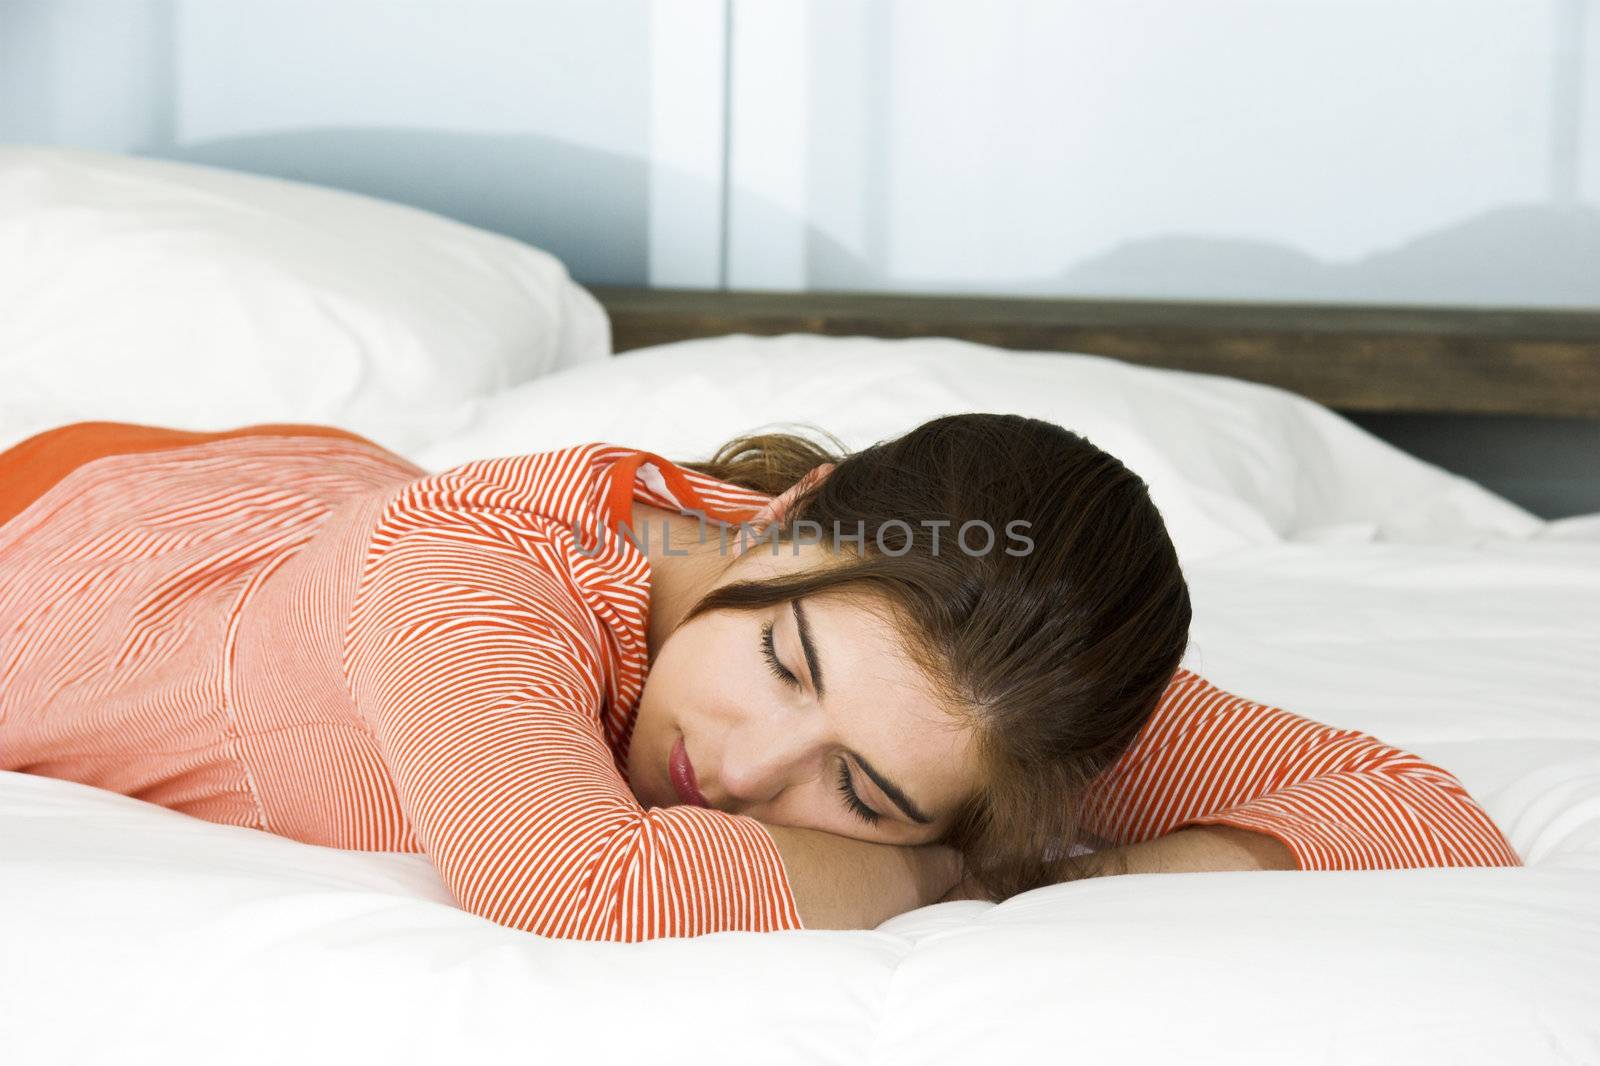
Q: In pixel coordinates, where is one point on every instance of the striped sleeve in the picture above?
(1339, 799)
(479, 674)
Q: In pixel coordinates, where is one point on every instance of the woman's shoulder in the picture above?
(564, 485)
(545, 511)
(77, 457)
(588, 485)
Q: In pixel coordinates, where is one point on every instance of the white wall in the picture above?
(1412, 151)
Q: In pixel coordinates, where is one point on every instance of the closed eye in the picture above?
(846, 786)
(848, 789)
(781, 672)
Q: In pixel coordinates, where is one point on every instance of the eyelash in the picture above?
(866, 814)
(782, 673)
(778, 669)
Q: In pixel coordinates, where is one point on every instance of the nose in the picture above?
(760, 762)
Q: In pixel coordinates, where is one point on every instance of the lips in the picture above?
(681, 771)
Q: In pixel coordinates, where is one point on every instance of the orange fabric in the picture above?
(1339, 799)
(619, 501)
(31, 466)
(290, 633)
(308, 635)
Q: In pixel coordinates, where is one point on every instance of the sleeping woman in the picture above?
(617, 697)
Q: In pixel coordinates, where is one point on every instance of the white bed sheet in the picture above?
(136, 934)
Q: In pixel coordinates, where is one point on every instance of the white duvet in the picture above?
(1331, 575)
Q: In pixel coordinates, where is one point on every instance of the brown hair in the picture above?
(1055, 656)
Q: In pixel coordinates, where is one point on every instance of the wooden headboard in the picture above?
(1366, 359)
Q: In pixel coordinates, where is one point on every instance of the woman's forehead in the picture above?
(884, 703)
(886, 707)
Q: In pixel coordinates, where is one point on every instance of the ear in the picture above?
(778, 507)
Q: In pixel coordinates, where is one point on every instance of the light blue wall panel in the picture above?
(528, 118)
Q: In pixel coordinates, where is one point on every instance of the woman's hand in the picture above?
(1196, 849)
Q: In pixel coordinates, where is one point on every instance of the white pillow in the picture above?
(146, 291)
(1229, 463)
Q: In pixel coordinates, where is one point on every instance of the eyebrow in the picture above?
(895, 793)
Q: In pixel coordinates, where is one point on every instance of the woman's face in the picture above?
(779, 741)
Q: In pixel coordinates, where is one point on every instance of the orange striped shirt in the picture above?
(309, 635)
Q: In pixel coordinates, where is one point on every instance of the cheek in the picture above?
(699, 686)
(660, 711)
(694, 671)
(662, 692)
(666, 706)
(652, 721)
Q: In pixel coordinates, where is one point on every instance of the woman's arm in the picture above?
(481, 674)
(842, 883)
(1217, 782)
(1332, 799)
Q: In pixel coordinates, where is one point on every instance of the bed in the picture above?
(1332, 575)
